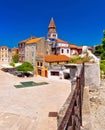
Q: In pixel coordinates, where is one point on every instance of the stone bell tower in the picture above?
(52, 34)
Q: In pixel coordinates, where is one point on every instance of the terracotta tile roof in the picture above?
(63, 47)
(24, 41)
(33, 40)
(52, 24)
(56, 58)
(79, 47)
(59, 40)
(90, 48)
(14, 48)
(72, 46)
(3, 47)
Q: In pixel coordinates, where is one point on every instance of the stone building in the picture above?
(62, 47)
(11, 53)
(4, 53)
(21, 47)
(14, 51)
(52, 66)
(34, 48)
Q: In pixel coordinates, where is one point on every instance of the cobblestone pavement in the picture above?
(28, 108)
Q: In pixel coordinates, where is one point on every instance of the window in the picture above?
(55, 73)
(32, 48)
(41, 64)
(62, 51)
(67, 51)
(37, 63)
(19, 45)
(54, 35)
(32, 53)
(32, 61)
(39, 71)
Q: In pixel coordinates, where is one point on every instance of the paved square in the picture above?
(28, 108)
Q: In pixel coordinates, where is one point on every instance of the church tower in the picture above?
(52, 34)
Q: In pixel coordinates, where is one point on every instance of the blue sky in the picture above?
(77, 21)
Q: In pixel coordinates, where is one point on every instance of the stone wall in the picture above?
(92, 74)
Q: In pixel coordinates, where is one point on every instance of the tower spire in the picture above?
(52, 23)
(52, 34)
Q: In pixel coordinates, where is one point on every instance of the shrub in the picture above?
(26, 66)
(74, 59)
(79, 60)
(12, 64)
(102, 65)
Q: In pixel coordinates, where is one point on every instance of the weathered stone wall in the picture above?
(92, 74)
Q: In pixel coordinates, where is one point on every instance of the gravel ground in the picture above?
(97, 107)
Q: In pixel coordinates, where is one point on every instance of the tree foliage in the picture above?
(15, 58)
(103, 40)
(102, 65)
(26, 66)
(100, 49)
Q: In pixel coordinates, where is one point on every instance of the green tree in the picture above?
(98, 50)
(103, 40)
(103, 56)
(15, 58)
(26, 66)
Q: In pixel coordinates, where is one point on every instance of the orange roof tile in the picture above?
(73, 46)
(89, 47)
(33, 40)
(56, 58)
(14, 48)
(79, 47)
(32, 37)
(59, 40)
(3, 47)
